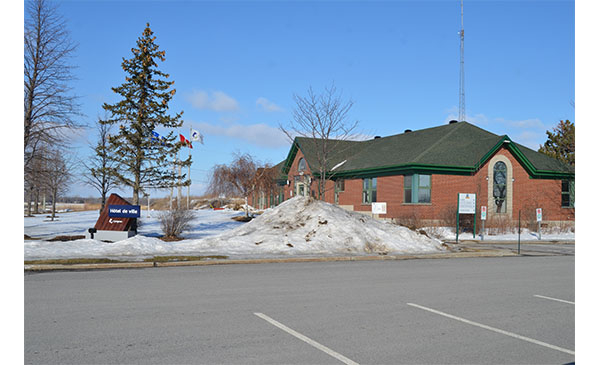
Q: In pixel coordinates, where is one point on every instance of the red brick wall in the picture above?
(528, 194)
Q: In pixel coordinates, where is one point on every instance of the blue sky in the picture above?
(237, 64)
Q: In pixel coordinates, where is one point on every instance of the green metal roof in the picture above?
(457, 148)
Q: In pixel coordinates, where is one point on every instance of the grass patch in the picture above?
(66, 238)
(110, 261)
(242, 218)
(70, 261)
(185, 258)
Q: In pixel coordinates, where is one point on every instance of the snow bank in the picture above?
(299, 226)
(306, 226)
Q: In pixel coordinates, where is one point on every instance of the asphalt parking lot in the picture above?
(504, 310)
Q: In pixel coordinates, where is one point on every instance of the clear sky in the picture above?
(237, 64)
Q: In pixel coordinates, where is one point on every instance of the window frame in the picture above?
(570, 193)
(504, 207)
(300, 162)
(410, 181)
(369, 192)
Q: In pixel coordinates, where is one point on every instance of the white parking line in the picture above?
(300, 336)
(495, 329)
(558, 300)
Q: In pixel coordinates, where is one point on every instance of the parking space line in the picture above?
(570, 352)
(313, 343)
(558, 300)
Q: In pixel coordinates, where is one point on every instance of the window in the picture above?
(340, 186)
(499, 186)
(568, 194)
(302, 165)
(417, 188)
(369, 190)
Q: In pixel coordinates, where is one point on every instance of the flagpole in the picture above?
(179, 179)
(189, 170)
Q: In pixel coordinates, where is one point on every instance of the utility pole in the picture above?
(461, 92)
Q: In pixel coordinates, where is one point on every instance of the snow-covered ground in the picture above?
(297, 227)
(447, 233)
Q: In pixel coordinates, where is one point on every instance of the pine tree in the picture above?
(144, 162)
(561, 143)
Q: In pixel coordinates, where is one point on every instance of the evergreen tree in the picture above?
(144, 161)
(561, 143)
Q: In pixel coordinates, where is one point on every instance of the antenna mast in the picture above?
(461, 92)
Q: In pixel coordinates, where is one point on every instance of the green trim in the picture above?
(402, 170)
(415, 168)
(530, 168)
(290, 158)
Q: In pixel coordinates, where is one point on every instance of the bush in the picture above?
(174, 222)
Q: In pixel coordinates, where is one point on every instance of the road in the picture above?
(516, 310)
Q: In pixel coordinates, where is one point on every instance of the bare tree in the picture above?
(49, 105)
(99, 169)
(57, 174)
(243, 176)
(323, 118)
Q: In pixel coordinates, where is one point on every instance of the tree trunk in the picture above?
(29, 202)
(37, 201)
(246, 205)
(54, 193)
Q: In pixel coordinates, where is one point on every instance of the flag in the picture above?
(196, 136)
(158, 138)
(184, 141)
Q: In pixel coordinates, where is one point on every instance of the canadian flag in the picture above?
(184, 141)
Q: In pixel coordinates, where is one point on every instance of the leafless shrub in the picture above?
(410, 221)
(499, 224)
(174, 222)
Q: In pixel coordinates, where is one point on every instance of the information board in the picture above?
(379, 208)
(538, 214)
(466, 203)
(483, 212)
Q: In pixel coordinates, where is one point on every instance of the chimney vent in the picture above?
(377, 137)
(407, 130)
(453, 121)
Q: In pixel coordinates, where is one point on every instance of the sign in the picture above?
(124, 211)
(466, 203)
(538, 214)
(379, 208)
(483, 212)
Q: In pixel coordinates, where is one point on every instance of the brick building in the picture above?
(418, 174)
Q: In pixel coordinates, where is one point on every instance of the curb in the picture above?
(512, 242)
(141, 265)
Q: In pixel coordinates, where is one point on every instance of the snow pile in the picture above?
(306, 226)
(299, 226)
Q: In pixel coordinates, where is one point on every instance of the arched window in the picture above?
(499, 188)
(302, 165)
